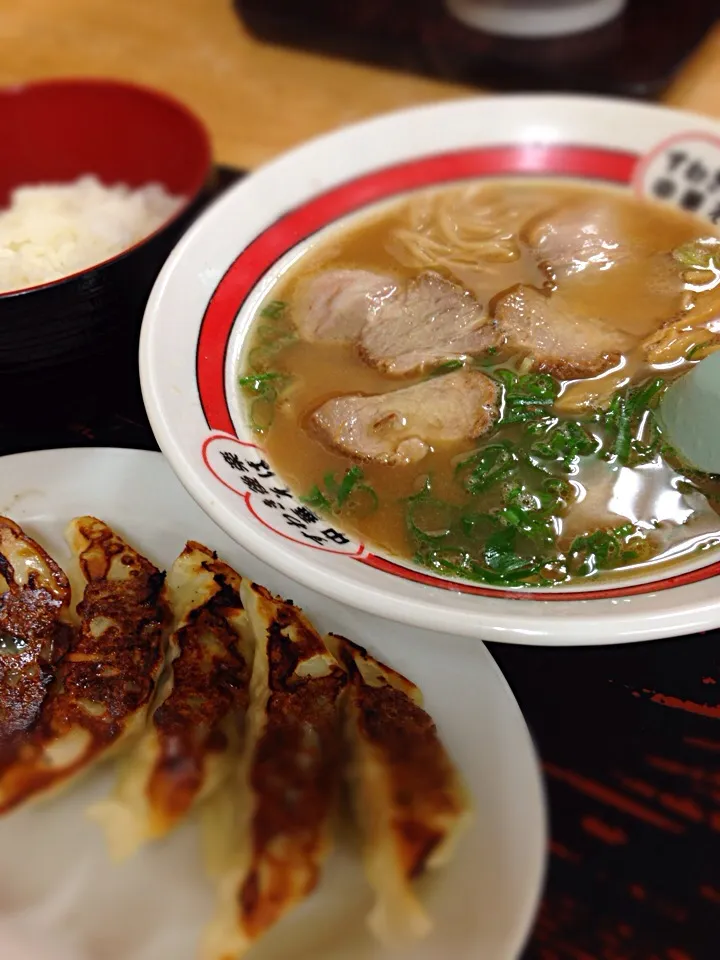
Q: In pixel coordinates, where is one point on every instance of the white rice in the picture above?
(50, 231)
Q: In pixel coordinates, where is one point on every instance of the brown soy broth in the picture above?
(629, 295)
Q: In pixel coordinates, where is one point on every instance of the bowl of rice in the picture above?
(98, 180)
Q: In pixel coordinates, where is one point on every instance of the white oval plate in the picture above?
(61, 897)
(202, 304)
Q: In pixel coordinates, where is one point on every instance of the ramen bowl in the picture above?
(199, 323)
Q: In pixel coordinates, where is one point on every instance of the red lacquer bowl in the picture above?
(56, 131)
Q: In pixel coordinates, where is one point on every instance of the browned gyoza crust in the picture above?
(288, 780)
(106, 680)
(293, 799)
(409, 740)
(210, 682)
(32, 633)
(407, 795)
(422, 776)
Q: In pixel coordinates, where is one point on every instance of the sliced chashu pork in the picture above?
(576, 237)
(336, 304)
(560, 343)
(604, 251)
(401, 426)
(424, 324)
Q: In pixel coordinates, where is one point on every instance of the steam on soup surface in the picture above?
(469, 380)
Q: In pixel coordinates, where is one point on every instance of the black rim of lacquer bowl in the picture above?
(91, 366)
(98, 312)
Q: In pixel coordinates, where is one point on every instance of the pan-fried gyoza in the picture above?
(407, 795)
(194, 731)
(218, 696)
(288, 779)
(105, 681)
(34, 631)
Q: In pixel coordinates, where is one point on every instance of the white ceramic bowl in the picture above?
(200, 309)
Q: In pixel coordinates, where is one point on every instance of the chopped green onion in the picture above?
(262, 414)
(258, 358)
(629, 416)
(265, 388)
(566, 442)
(274, 309)
(348, 495)
(699, 346)
(602, 550)
(428, 518)
(487, 466)
(352, 477)
(501, 556)
(699, 254)
(256, 380)
(446, 367)
(316, 498)
(525, 398)
(459, 563)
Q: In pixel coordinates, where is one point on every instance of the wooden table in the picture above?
(629, 736)
(257, 100)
